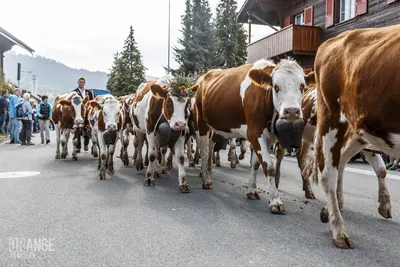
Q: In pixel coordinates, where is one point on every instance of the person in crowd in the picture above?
(3, 111)
(26, 131)
(35, 119)
(82, 92)
(15, 123)
(44, 114)
(394, 164)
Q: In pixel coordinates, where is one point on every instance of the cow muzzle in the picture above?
(291, 114)
(112, 127)
(289, 134)
(179, 126)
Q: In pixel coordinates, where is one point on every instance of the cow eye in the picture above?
(276, 88)
(302, 88)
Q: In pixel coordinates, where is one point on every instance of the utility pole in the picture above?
(169, 35)
(34, 84)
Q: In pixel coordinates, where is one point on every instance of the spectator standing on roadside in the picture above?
(26, 131)
(44, 114)
(15, 123)
(3, 111)
(35, 119)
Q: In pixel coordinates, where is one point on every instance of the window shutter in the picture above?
(308, 16)
(287, 22)
(330, 7)
(361, 7)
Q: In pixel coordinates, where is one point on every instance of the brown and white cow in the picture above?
(249, 96)
(358, 87)
(309, 107)
(105, 120)
(126, 127)
(68, 116)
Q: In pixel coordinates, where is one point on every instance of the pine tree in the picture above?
(230, 35)
(112, 82)
(128, 70)
(197, 46)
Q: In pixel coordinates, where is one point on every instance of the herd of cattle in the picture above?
(355, 82)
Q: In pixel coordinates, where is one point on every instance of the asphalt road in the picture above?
(120, 222)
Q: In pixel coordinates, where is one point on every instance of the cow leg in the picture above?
(146, 157)
(279, 154)
(302, 161)
(86, 139)
(206, 164)
(385, 208)
(180, 161)
(135, 148)
(57, 129)
(243, 149)
(125, 144)
(197, 153)
(103, 157)
(232, 151)
(75, 143)
(151, 169)
(64, 143)
(252, 184)
(261, 149)
(110, 155)
(95, 142)
(169, 159)
(189, 152)
(163, 167)
(139, 160)
(217, 158)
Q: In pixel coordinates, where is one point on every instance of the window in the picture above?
(299, 19)
(347, 9)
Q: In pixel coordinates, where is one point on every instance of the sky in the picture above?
(86, 33)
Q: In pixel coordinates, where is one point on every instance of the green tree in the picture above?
(197, 49)
(230, 36)
(128, 71)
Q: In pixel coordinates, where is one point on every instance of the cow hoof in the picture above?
(102, 177)
(149, 182)
(200, 174)
(86, 148)
(75, 158)
(343, 241)
(310, 195)
(385, 211)
(95, 154)
(324, 215)
(241, 157)
(192, 165)
(184, 188)
(277, 178)
(98, 167)
(58, 156)
(207, 186)
(253, 196)
(111, 170)
(157, 174)
(277, 209)
(139, 166)
(233, 165)
(63, 155)
(78, 150)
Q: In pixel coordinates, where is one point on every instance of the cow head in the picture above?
(111, 113)
(176, 103)
(76, 108)
(287, 82)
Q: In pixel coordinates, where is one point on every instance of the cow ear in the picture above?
(95, 104)
(86, 99)
(65, 102)
(158, 91)
(260, 77)
(310, 78)
(194, 88)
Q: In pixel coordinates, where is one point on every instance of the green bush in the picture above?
(4, 85)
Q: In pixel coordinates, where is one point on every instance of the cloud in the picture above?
(86, 33)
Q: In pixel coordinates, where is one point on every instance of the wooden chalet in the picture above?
(304, 24)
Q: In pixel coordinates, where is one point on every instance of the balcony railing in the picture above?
(298, 39)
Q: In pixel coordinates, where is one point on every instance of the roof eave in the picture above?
(15, 40)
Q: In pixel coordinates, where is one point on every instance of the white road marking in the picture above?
(7, 175)
(360, 171)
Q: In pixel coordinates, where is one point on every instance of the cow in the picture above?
(105, 120)
(126, 127)
(249, 96)
(309, 107)
(68, 116)
(358, 87)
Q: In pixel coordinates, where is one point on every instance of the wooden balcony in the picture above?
(296, 39)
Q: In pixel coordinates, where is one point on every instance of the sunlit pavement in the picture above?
(78, 220)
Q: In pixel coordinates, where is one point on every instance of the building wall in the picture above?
(379, 14)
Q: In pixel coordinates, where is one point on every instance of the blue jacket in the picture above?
(27, 110)
(14, 101)
(39, 106)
